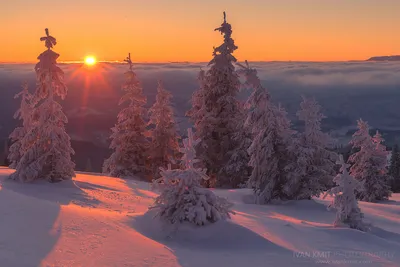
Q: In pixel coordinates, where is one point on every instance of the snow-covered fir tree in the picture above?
(237, 170)
(216, 110)
(182, 197)
(164, 146)
(369, 165)
(362, 144)
(380, 160)
(312, 169)
(196, 113)
(259, 99)
(24, 113)
(238, 167)
(345, 201)
(269, 152)
(46, 148)
(394, 168)
(129, 142)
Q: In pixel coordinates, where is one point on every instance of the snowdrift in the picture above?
(95, 220)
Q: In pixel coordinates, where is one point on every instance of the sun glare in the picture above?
(90, 60)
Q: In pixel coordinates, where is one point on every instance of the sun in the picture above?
(90, 60)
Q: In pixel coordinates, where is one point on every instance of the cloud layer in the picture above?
(346, 90)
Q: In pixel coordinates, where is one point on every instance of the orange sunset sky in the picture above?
(182, 30)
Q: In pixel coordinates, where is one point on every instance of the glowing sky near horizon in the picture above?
(181, 30)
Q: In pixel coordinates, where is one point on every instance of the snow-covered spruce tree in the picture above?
(237, 170)
(47, 147)
(196, 113)
(394, 169)
(238, 167)
(312, 170)
(369, 165)
(24, 113)
(182, 198)
(345, 201)
(164, 146)
(271, 133)
(217, 112)
(269, 153)
(380, 160)
(257, 103)
(129, 142)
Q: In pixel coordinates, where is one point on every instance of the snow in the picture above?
(95, 220)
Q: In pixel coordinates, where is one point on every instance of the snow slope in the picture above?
(101, 221)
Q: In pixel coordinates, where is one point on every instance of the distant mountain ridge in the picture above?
(385, 58)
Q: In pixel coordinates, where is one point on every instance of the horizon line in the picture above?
(180, 62)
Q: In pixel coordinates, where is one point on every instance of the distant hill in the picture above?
(385, 58)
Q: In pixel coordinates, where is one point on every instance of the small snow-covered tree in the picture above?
(345, 201)
(164, 146)
(129, 142)
(394, 168)
(369, 165)
(182, 198)
(216, 110)
(269, 153)
(46, 147)
(24, 113)
(312, 169)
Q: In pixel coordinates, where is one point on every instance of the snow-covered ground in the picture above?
(101, 221)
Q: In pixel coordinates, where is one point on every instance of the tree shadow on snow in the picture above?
(93, 186)
(303, 210)
(376, 246)
(29, 227)
(388, 235)
(307, 210)
(61, 193)
(140, 188)
(221, 238)
(389, 202)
